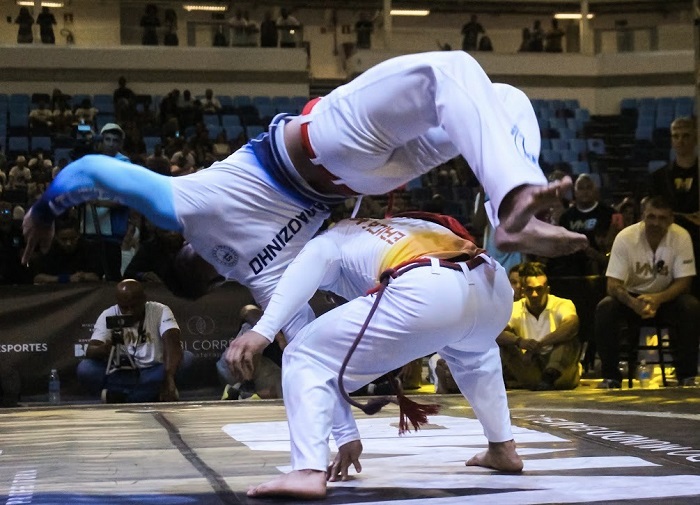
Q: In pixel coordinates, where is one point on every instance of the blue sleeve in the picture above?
(100, 177)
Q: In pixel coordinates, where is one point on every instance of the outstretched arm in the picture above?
(99, 177)
(315, 265)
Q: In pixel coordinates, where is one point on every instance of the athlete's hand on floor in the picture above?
(348, 454)
(36, 235)
(241, 352)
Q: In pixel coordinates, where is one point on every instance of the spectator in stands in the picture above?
(539, 347)
(170, 37)
(221, 148)
(238, 27)
(112, 141)
(288, 26)
(649, 276)
(526, 41)
(267, 379)
(86, 113)
(46, 21)
(183, 161)
(210, 104)
(58, 99)
(3, 178)
(71, 259)
(152, 341)
(41, 119)
(268, 31)
(154, 258)
(20, 175)
(678, 183)
(105, 222)
(60, 165)
(470, 33)
(158, 162)
(150, 22)
(591, 217)
(537, 37)
(514, 278)
(485, 43)
(363, 30)
(252, 29)
(25, 21)
(553, 38)
(124, 100)
(11, 245)
(63, 119)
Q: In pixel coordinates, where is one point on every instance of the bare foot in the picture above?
(526, 201)
(302, 484)
(500, 456)
(540, 238)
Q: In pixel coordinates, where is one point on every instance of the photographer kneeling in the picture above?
(135, 353)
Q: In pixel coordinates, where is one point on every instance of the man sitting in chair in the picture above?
(651, 268)
(539, 347)
(136, 360)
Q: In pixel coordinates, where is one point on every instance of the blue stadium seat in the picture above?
(571, 104)
(43, 143)
(559, 144)
(628, 104)
(574, 124)
(234, 131)
(242, 101)
(684, 106)
(103, 119)
(230, 120)
(578, 146)
(566, 133)
(226, 102)
(550, 157)
(214, 131)
(654, 165)
(582, 115)
(580, 167)
(557, 122)
(283, 104)
(261, 100)
(266, 111)
(211, 119)
(546, 144)
(568, 156)
(596, 146)
(254, 130)
(17, 145)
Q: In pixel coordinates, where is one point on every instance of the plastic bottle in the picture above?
(643, 374)
(54, 387)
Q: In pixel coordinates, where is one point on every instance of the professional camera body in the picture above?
(117, 325)
(119, 357)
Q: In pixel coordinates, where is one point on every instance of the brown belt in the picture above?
(323, 179)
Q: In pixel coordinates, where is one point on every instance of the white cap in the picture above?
(112, 127)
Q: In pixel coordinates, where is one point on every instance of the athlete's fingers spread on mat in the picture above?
(348, 454)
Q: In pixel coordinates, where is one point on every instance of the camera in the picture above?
(117, 325)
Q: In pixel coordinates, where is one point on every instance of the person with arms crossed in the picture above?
(649, 276)
(456, 308)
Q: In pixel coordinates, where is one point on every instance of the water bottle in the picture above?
(54, 387)
(643, 374)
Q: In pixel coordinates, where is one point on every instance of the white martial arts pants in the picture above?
(409, 114)
(424, 310)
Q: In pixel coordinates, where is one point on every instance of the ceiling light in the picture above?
(204, 7)
(30, 3)
(571, 15)
(409, 12)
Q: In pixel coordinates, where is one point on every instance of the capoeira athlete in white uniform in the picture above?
(250, 214)
(430, 308)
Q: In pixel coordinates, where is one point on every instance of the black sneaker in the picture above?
(609, 384)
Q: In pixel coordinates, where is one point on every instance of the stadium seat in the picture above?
(43, 143)
(254, 130)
